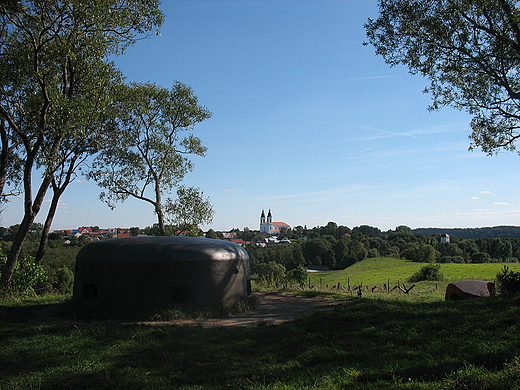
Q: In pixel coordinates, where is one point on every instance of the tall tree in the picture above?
(150, 156)
(469, 50)
(89, 136)
(53, 66)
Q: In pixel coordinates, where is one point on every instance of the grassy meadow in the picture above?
(367, 343)
(381, 271)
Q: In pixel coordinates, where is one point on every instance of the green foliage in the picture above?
(297, 275)
(57, 80)
(64, 280)
(189, 210)
(474, 233)
(271, 274)
(211, 234)
(480, 257)
(467, 51)
(422, 253)
(508, 282)
(329, 246)
(431, 272)
(149, 151)
(27, 274)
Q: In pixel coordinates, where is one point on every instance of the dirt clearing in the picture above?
(273, 307)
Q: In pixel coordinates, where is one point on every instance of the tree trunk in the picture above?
(160, 220)
(158, 206)
(48, 222)
(14, 253)
(3, 158)
(31, 211)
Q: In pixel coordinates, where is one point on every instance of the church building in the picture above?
(268, 226)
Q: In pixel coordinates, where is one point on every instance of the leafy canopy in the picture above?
(189, 210)
(55, 87)
(150, 153)
(470, 52)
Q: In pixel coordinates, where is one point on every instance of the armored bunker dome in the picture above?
(155, 273)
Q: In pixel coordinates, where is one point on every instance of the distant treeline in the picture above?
(338, 247)
(491, 232)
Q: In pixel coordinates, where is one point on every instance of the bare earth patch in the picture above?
(273, 307)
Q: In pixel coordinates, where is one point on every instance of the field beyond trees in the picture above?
(391, 272)
(366, 343)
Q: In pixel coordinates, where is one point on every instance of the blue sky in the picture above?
(306, 122)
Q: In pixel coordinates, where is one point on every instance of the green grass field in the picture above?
(365, 344)
(380, 271)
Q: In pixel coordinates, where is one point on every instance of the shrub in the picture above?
(64, 280)
(298, 275)
(480, 257)
(508, 282)
(27, 274)
(421, 253)
(429, 272)
(271, 274)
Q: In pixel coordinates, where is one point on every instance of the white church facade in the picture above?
(268, 226)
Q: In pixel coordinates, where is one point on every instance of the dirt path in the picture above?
(273, 307)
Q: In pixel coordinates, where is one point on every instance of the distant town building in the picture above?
(445, 237)
(268, 226)
(229, 235)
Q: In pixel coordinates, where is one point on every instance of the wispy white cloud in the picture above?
(414, 133)
(485, 192)
(347, 41)
(475, 197)
(361, 78)
(60, 203)
(501, 203)
(317, 196)
(503, 213)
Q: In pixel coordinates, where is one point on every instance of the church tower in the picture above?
(266, 226)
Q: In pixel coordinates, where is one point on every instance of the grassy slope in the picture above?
(365, 344)
(378, 271)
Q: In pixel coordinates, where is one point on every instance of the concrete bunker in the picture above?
(467, 289)
(157, 273)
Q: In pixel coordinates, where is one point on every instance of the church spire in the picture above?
(262, 219)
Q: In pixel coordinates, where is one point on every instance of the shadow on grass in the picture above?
(367, 344)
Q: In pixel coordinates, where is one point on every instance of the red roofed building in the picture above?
(268, 226)
(85, 231)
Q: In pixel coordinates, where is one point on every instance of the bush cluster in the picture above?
(508, 282)
(26, 276)
(430, 272)
(274, 275)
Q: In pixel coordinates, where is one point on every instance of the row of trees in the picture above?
(333, 246)
(338, 247)
(64, 104)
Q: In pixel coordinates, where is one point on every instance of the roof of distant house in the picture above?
(229, 234)
(281, 224)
